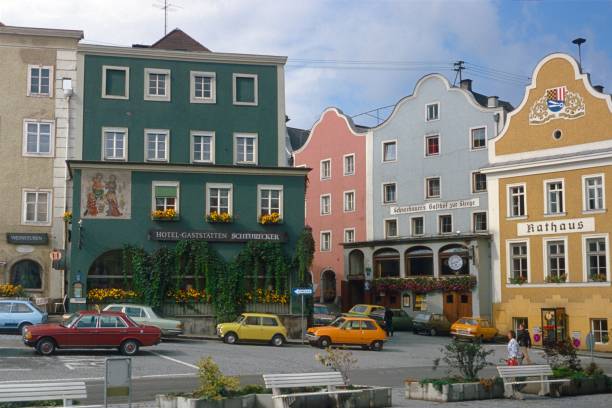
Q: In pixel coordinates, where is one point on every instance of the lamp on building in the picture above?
(579, 41)
(67, 87)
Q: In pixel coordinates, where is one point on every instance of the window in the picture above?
(115, 82)
(479, 182)
(135, 312)
(270, 200)
(203, 87)
(368, 325)
(111, 322)
(219, 198)
(269, 321)
(599, 327)
(165, 196)
(519, 261)
(27, 274)
(420, 303)
(349, 201)
(432, 187)
(326, 204)
(554, 197)
(555, 253)
(593, 193)
(252, 321)
(37, 138)
(391, 228)
(479, 221)
(157, 84)
(325, 169)
(419, 261)
(432, 145)
(389, 193)
(36, 207)
(325, 244)
(245, 89)
(445, 224)
(596, 259)
(21, 308)
(156, 144)
(246, 148)
(433, 111)
(349, 235)
(114, 143)
(349, 164)
(389, 151)
(478, 137)
(40, 80)
(202, 147)
(416, 226)
(516, 201)
(87, 322)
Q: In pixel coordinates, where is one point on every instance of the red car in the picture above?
(92, 329)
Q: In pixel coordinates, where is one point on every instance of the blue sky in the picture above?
(357, 54)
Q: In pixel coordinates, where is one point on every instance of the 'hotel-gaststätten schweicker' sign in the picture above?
(217, 236)
(555, 227)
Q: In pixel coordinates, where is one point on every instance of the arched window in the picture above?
(386, 263)
(107, 271)
(451, 252)
(328, 283)
(419, 261)
(27, 273)
(356, 263)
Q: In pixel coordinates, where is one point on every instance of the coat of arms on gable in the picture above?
(557, 103)
(106, 194)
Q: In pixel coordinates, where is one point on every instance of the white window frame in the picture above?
(382, 152)
(384, 195)
(146, 142)
(603, 193)
(427, 197)
(486, 213)
(321, 241)
(473, 183)
(509, 201)
(471, 138)
(276, 187)
(546, 209)
(164, 183)
(321, 204)
(412, 225)
(24, 220)
(440, 224)
(545, 242)
(585, 259)
(125, 143)
(427, 105)
(24, 151)
(600, 331)
(321, 177)
(230, 197)
(195, 133)
(253, 136)
(127, 82)
(427, 137)
(509, 243)
(167, 85)
(344, 170)
(213, 87)
(51, 81)
(344, 201)
(397, 229)
(344, 235)
(255, 85)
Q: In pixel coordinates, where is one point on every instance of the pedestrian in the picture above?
(513, 349)
(524, 341)
(389, 322)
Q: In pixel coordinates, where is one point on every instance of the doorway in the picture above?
(457, 305)
(554, 325)
(328, 286)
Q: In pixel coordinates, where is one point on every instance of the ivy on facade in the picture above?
(426, 284)
(304, 254)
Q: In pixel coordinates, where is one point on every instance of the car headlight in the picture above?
(28, 335)
(179, 326)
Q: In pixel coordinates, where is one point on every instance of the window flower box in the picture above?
(518, 280)
(67, 216)
(556, 279)
(270, 219)
(165, 215)
(219, 217)
(601, 277)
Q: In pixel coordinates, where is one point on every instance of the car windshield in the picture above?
(466, 320)
(320, 309)
(71, 320)
(337, 323)
(239, 319)
(358, 309)
(422, 317)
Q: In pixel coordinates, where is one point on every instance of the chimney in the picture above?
(466, 84)
(599, 88)
(492, 102)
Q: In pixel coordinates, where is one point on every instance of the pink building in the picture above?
(335, 197)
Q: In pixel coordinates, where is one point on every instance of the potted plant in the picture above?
(222, 217)
(169, 214)
(518, 280)
(270, 219)
(556, 278)
(598, 277)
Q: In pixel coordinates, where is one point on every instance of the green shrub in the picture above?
(562, 354)
(466, 359)
(213, 384)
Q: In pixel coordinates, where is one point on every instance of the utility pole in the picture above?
(458, 67)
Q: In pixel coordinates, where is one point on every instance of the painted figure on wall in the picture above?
(106, 194)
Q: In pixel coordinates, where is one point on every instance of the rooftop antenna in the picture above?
(579, 41)
(166, 7)
(458, 67)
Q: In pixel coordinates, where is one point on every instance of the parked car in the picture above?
(430, 323)
(16, 315)
(146, 315)
(254, 327)
(349, 330)
(473, 328)
(321, 315)
(401, 320)
(367, 311)
(92, 329)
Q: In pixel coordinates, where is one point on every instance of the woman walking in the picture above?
(513, 349)
(524, 341)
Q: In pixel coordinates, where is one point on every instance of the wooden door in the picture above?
(457, 305)
(464, 304)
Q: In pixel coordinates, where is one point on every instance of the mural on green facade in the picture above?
(106, 194)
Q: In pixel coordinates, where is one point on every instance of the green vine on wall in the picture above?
(304, 254)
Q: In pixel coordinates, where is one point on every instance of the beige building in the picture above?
(37, 74)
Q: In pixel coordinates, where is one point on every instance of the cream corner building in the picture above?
(550, 201)
(37, 72)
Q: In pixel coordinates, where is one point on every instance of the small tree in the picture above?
(341, 360)
(466, 358)
(213, 384)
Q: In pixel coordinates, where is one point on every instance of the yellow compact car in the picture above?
(349, 330)
(473, 328)
(254, 327)
(373, 311)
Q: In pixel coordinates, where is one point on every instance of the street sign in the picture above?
(118, 379)
(302, 291)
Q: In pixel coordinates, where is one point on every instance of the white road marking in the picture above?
(138, 377)
(15, 369)
(174, 359)
(75, 362)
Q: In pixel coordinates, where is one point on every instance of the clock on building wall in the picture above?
(455, 262)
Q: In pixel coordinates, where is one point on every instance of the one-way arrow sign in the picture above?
(302, 291)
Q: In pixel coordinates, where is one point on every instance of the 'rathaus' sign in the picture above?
(555, 227)
(215, 236)
(435, 206)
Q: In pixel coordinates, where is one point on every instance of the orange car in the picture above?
(360, 331)
(473, 328)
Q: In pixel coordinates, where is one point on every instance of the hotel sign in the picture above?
(216, 236)
(436, 206)
(555, 227)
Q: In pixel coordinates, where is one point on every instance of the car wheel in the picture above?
(129, 347)
(365, 347)
(433, 332)
(324, 342)
(278, 340)
(46, 347)
(230, 338)
(22, 327)
(376, 345)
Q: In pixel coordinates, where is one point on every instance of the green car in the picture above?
(430, 323)
(145, 315)
(401, 320)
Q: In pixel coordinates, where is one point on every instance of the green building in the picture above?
(178, 143)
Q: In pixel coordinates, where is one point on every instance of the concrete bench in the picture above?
(42, 391)
(328, 380)
(511, 376)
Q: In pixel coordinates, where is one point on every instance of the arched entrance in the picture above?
(328, 286)
(386, 263)
(456, 304)
(450, 251)
(27, 273)
(107, 271)
(355, 293)
(419, 261)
